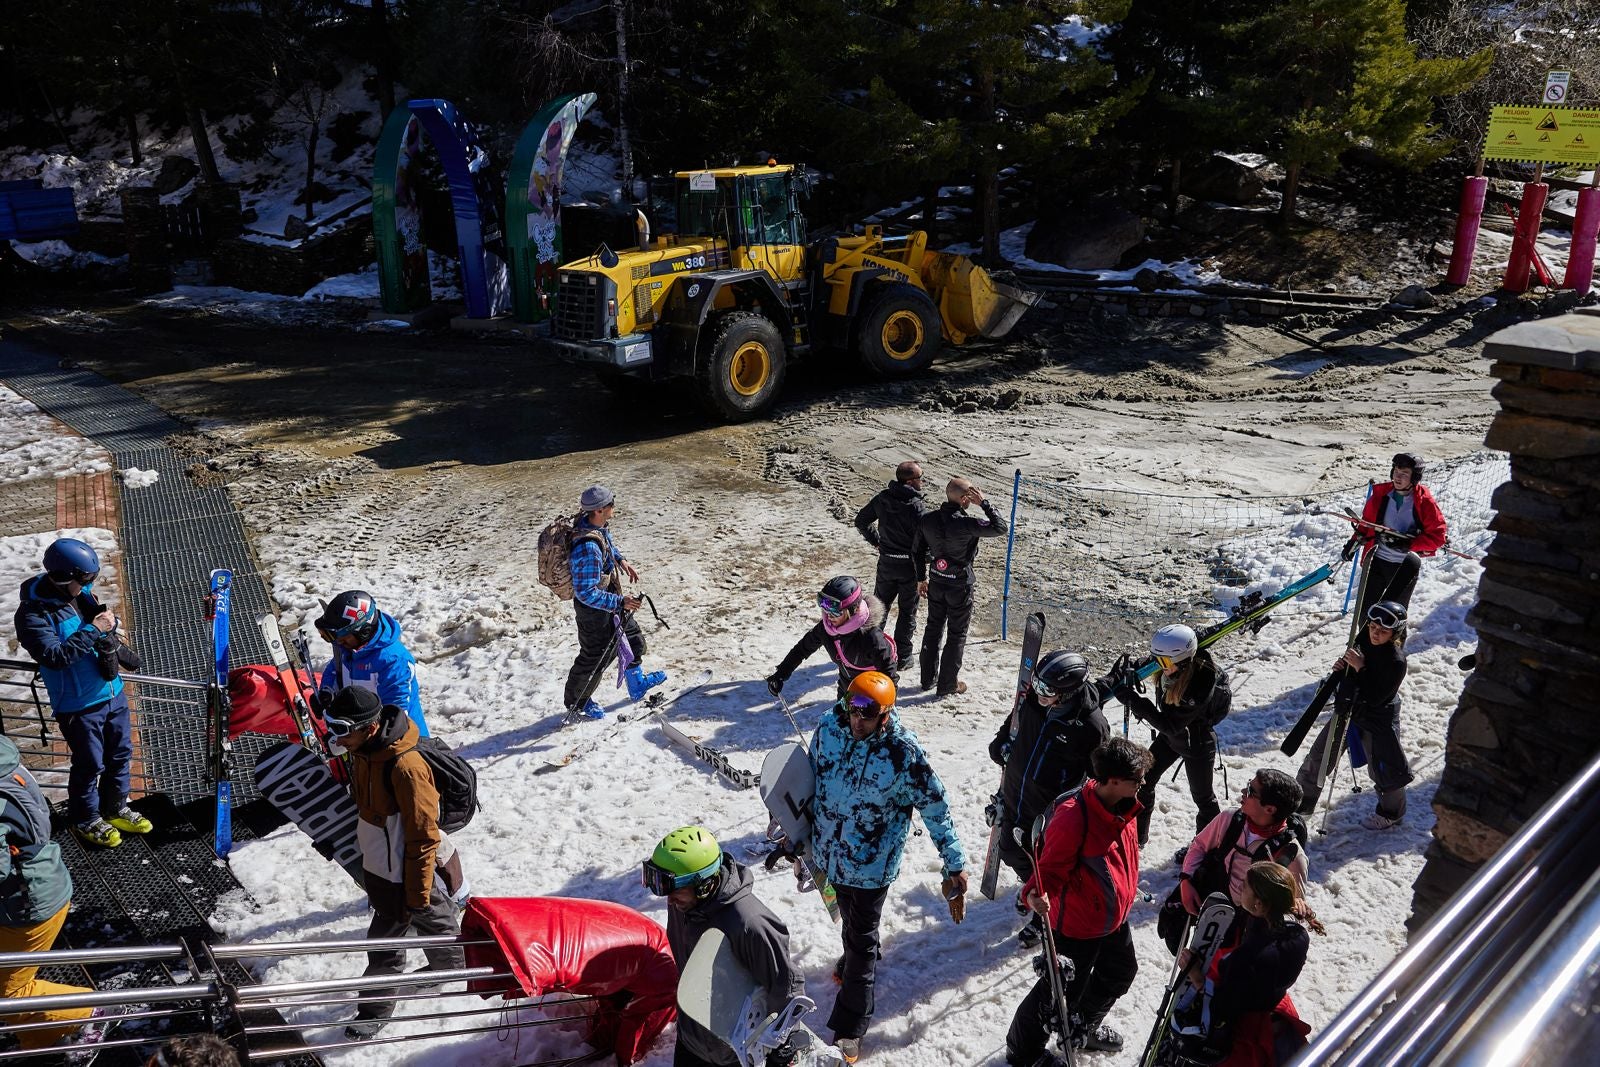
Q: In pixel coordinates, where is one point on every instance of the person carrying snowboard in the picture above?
(1415, 528)
(369, 651)
(412, 871)
(1368, 698)
(1085, 885)
(1059, 725)
(1191, 697)
(889, 524)
(707, 889)
(603, 612)
(850, 631)
(870, 773)
(942, 553)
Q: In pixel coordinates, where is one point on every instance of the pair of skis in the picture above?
(1205, 937)
(994, 811)
(655, 704)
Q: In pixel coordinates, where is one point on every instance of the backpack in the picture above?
(555, 554)
(455, 780)
(1212, 874)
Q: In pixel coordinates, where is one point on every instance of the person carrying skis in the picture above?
(1192, 696)
(870, 773)
(604, 614)
(1415, 528)
(73, 639)
(1059, 725)
(412, 871)
(369, 651)
(707, 889)
(895, 512)
(1368, 698)
(1219, 856)
(850, 631)
(1248, 1018)
(942, 553)
(1085, 885)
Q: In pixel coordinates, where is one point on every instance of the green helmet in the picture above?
(688, 856)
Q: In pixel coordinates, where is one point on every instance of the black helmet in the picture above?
(1390, 614)
(351, 614)
(1412, 462)
(839, 595)
(70, 560)
(1060, 674)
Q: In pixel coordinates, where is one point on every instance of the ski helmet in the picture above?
(839, 595)
(1412, 462)
(871, 692)
(350, 614)
(1390, 614)
(689, 856)
(1059, 674)
(1172, 644)
(70, 560)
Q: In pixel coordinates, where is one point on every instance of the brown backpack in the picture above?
(555, 554)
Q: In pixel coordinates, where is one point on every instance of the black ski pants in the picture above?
(439, 917)
(949, 608)
(896, 586)
(860, 911)
(1012, 853)
(1390, 581)
(1386, 763)
(597, 646)
(1197, 765)
(1103, 968)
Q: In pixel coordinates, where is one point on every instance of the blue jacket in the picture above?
(383, 665)
(57, 633)
(865, 791)
(593, 563)
(34, 883)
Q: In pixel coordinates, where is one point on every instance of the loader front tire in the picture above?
(740, 370)
(898, 335)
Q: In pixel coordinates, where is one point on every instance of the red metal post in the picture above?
(1526, 237)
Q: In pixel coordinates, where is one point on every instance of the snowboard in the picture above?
(788, 788)
(299, 784)
(717, 992)
(994, 812)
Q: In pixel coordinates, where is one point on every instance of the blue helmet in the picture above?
(70, 560)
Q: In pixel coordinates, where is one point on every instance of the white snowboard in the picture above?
(716, 991)
(788, 789)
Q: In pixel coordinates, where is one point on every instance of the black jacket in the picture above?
(1050, 753)
(759, 941)
(1205, 703)
(1372, 694)
(896, 512)
(947, 539)
(866, 648)
(1256, 975)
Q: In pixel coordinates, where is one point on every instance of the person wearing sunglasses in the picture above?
(413, 874)
(73, 639)
(850, 631)
(1192, 696)
(1059, 724)
(369, 651)
(707, 889)
(871, 772)
(942, 554)
(1367, 697)
(1415, 528)
(889, 524)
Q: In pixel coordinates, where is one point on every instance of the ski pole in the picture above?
(798, 733)
(650, 602)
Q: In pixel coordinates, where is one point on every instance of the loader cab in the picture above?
(756, 210)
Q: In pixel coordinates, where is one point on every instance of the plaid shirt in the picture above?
(590, 566)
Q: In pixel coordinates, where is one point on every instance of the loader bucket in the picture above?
(971, 303)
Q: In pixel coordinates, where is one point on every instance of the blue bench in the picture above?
(30, 212)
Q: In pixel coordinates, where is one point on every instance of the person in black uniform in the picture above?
(1059, 723)
(942, 553)
(895, 512)
(1192, 697)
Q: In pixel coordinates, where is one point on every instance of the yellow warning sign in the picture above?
(1543, 135)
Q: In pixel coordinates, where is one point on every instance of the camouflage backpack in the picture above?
(555, 554)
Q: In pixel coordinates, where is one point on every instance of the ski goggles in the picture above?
(863, 707)
(1166, 663)
(1384, 617)
(77, 574)
(338, 727)
(1044, 692)
(660, 881)
(330, 633)
(832, 605)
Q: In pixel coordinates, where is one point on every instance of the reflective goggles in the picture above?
(660, 882)
(1044, 692)
(863, 707)
(832, 605)
(1383, 617)
(1166, 663)
(337, 632)
(82, 577)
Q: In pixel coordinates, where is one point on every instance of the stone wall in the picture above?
(1526, 721)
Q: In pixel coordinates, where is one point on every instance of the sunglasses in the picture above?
(1251, 791)
(661, 882)
(865, 708)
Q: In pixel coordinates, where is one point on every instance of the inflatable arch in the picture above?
(533, 204)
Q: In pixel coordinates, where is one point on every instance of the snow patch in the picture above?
(134, 478)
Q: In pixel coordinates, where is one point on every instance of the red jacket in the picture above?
(1089, 866)
(1267, 1038)
(1432, 533)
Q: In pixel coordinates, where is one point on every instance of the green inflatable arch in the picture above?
(533, 205)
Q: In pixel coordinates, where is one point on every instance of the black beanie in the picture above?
(355, 705)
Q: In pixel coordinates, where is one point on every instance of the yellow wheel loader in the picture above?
(739, 292)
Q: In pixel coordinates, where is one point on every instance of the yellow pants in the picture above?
(20, 982)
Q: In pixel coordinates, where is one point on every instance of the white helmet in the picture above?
(1173, 643)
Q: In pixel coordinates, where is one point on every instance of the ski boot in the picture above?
(640, 683)
(1032, 935)
(1097, 1038)
(849, 1048)
(98, 832)
(129, 821)
(83, 1045)
(365, 1027)
(590, 710)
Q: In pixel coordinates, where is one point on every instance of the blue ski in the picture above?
(219, 603)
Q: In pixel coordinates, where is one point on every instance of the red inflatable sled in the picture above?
(589, 947)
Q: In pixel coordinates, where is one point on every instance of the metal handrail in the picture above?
(122, 954)
(311, 948)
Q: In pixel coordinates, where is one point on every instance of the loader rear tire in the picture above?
(740, 370)
(899, 334)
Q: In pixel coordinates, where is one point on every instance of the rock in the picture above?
(1093, 238)
(1008, 399)
(1223, 180)
(296, 228)
(1414, 296)
(176, 172)
(1147, 280)
(966, 407)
